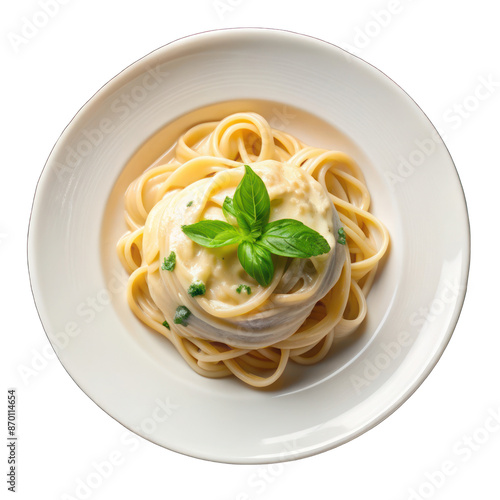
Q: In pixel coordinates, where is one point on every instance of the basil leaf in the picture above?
(252, 199)
(228, 209)
(291, 238)
(243, 220)
(257, 262)
(212, 233)
(244, 223)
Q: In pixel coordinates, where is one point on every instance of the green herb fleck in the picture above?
(166, 325)
(169, 263)
(244, 287)
(256, 237)
(190, 203)
(182, 313)
(342, 236)
(197, 288)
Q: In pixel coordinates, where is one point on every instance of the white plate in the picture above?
(324, 96)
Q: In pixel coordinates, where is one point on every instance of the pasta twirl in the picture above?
(308, 303)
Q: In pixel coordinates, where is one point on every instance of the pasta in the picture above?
(236, 326)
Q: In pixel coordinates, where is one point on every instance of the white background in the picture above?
(439, 52)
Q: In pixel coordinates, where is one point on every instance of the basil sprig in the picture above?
(256, 237)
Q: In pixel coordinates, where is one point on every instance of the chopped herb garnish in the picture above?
(342, 236)
(169, 263)
(244, 287)
(256, 237)
(182, 313)
(190, 203)
(197, 288)
(166, 325)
